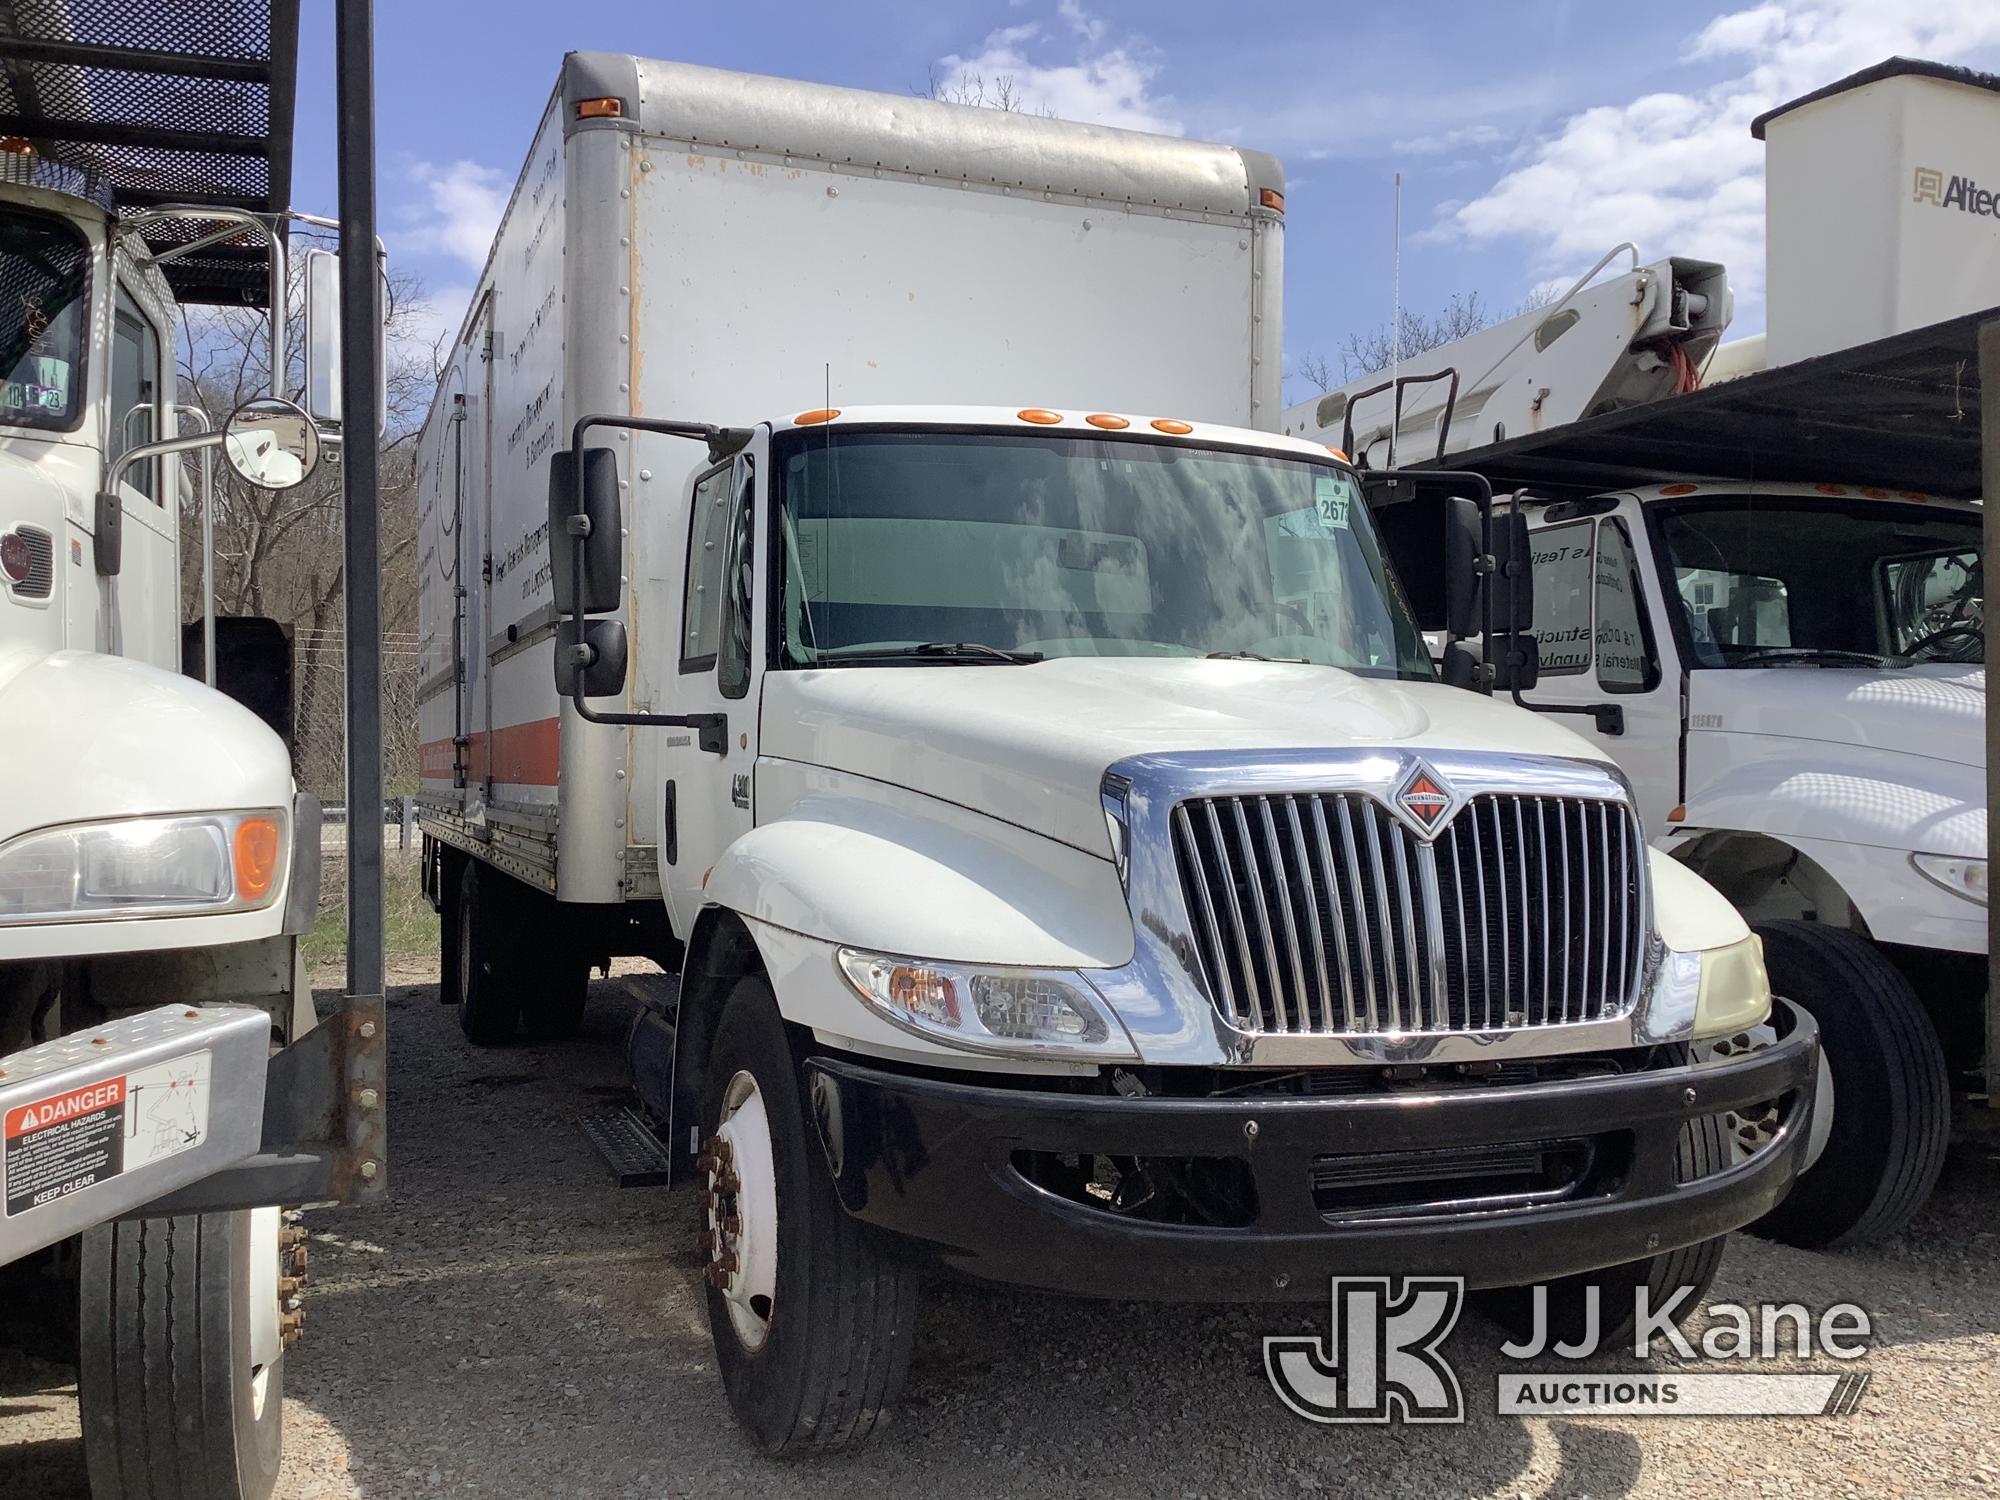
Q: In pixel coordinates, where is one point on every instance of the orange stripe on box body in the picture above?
(522, 755)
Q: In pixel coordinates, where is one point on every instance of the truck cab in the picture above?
(1792, 676)
(1086, 882)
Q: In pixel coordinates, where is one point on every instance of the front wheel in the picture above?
(180, 1361)
(1597, 1310)
(1890, 1095)
(812, 1326)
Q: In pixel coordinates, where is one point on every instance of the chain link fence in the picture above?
(319, 761)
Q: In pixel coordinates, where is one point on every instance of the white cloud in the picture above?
(464, 203)
(428, 324)
(1678, 173)
(1075, 72)
(1449, 140)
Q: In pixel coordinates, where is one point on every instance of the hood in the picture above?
(92, 736)
(1936, 711)
(1030, 744)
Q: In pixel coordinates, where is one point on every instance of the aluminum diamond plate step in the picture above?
(635, 1155)
(104, 1121)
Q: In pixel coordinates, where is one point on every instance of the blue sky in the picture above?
(1532, 135)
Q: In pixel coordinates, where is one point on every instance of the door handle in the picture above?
(670, 828)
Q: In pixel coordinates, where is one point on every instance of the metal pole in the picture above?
(1989, 437)
(360, 399)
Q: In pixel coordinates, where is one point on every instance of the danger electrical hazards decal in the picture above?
(83, 1136)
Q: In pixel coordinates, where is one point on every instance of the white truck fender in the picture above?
(870, 866)
(1691, 914)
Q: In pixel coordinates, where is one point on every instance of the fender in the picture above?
(846, 859)
(1690, 914)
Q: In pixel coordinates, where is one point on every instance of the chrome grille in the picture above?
(1324, 913)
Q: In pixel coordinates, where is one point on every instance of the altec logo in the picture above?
(1425, 798)
(1961, 193)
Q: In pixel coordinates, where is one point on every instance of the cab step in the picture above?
(106, 1120)
(636, 1155)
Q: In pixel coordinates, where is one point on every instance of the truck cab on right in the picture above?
(1791, 675)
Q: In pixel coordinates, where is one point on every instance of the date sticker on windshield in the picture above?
(1329, 501)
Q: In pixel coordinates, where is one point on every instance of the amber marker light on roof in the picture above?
(1272, 199)
(1173, 425)
(1105, 420)
(1679, 814)
(1338, 453)
(815, 417)
(599, 109)
(1038, 416)
(1678, 489)
(1831, 489)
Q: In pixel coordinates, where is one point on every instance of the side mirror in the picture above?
(603, 543)
(271, 443)
(322, 351)
(1514, 577)
(322, 278)
(603, 656)
(107, 541)
(1461, 576)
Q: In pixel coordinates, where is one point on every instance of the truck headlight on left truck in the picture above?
(185, 865)
(1006, 1011)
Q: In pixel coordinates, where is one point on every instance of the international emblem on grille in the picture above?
(1425, 798)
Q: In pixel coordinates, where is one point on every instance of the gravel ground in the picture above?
(509, 1325)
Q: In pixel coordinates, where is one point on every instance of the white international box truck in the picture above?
(1076, 873)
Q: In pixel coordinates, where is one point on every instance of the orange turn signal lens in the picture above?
(256, 858)
(815, 417)
(1037, 415)
(1172, 425)
(1272, 199)
(1105, 420)
(599, 109)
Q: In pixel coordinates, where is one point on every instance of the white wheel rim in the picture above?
(741, 1211)
(267, 1344)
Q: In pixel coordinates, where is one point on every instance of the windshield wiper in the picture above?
(1294, 661)
(968, 652)
(1809, 654)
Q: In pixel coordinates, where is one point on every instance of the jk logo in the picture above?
(1381, 1363)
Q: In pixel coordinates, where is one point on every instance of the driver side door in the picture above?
(706, 795)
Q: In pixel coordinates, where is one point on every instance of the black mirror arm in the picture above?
(712, 730)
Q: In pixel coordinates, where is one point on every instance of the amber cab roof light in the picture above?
(1040, 416)
(1106, 420)
(1272, 199)
(599, 109)
(816, 416)
(1172, 425)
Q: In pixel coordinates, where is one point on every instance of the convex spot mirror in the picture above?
(271, 443)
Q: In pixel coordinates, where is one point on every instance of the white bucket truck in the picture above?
(163, 1083)
(1760, 587)
(1077, 875)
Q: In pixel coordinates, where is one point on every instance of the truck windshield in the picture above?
(44, 271)
(1773, 580)
(1044, 545)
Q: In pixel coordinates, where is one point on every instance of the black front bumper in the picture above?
(939, 1164)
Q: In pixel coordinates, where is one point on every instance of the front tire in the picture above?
(1687, 1272)
(812, 1326)
(1891, 1094)
(180, 1368)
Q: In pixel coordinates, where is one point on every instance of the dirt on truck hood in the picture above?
(1030, 744)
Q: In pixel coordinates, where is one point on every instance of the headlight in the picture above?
(1713, 992)
(142, 867)
(1013, 1012)
(1962, 877)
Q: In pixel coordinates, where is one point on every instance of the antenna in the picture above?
(1396, 319)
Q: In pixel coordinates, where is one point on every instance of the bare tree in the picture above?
(278, 553)
(1316, 369)
(1002, 93)
(1366, 353)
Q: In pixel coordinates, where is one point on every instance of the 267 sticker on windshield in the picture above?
(67, 1142)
